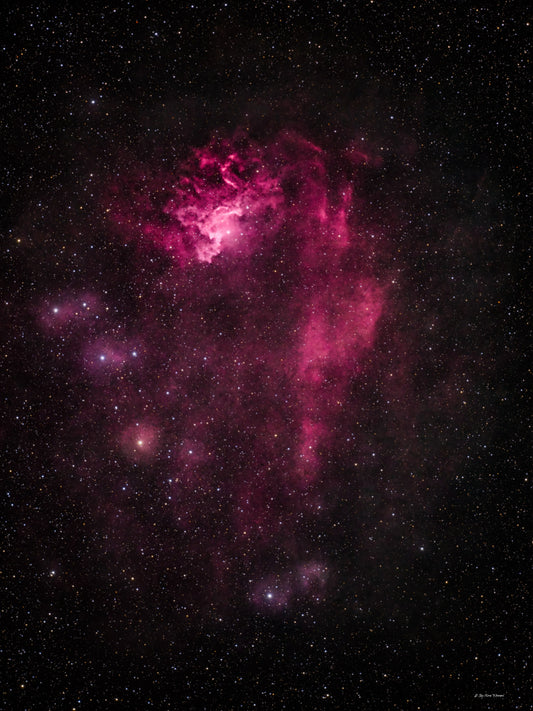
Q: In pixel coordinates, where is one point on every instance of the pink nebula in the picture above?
(69, 312)
(260, 307)
(139, 441)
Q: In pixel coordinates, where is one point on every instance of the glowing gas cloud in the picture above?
(229, 392)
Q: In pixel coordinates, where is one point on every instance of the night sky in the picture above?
(264, 312)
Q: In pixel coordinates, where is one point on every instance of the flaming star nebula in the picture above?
(229, 396)
(264, 284)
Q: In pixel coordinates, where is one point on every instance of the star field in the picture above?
(264, 310)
